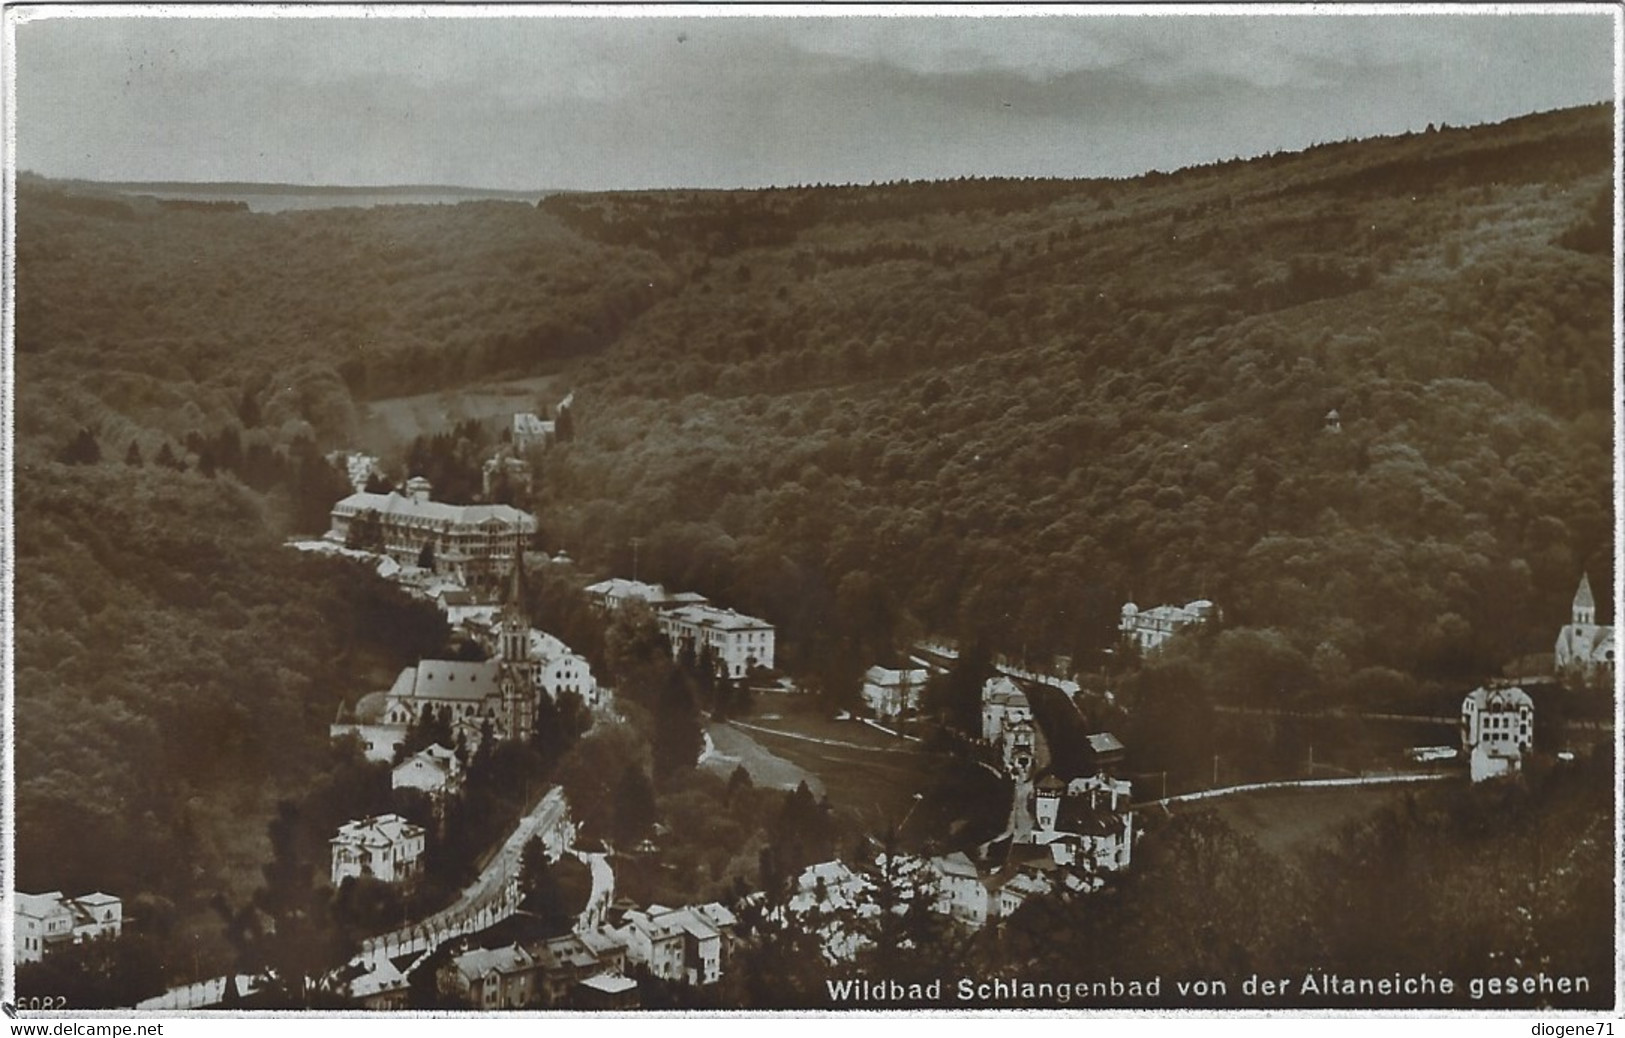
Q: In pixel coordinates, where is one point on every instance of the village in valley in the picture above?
(1063, 820)
(535, 532)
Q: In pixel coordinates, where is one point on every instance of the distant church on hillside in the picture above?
(1585, 648)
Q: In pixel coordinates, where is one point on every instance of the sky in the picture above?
(539, 99)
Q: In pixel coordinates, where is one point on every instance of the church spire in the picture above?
(1585, 606)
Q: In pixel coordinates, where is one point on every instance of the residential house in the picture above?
(1150, 628)
(961, 894)
(1497, 729)
(1086, 823)
(1007, 725)
(1585, 648)
(555, 669)
(608, 947)
(366, 721)
(891, 694)
(616, 592)
(48, 921)
(655, 939)
(376, 983)
(562, 963)
(531, 430)
(492, 978)
(434, 769)
(386, 847)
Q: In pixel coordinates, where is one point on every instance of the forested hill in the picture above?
(1001, 408)
(987, 408)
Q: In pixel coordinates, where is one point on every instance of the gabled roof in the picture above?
(568, 951)
(717, 914)
(482, 962)
(956, 864)
(448, 679)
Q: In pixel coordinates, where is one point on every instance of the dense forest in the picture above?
(987, 409)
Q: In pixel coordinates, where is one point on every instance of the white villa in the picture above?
(1497, 729)
(891, 694)
(1150, 628)
(387, 847)
(48, 921)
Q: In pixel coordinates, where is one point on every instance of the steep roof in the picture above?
(1583, 598)
(448, 679)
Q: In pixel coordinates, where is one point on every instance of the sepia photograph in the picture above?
(686, 510)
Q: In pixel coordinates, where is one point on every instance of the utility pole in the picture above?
(1215, 772)
(635, 542)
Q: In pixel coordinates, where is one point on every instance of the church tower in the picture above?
(1585, 607)
(513, 649)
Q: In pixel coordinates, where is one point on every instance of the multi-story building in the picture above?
(386, 847)
(738, 643)
(1497, 729)
(48, 921)
(492, 978)
(891, 694)
(476, 544)
(1150, 628)
(689, 945)
(616, 592)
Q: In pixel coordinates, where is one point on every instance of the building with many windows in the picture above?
(476, 544)
(1497, 729)
(1148, 629)
(48, 921)
(891, 694)
(738, 643)
(386, 847)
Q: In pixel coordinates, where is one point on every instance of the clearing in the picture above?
(397, 420)
(1294, 822)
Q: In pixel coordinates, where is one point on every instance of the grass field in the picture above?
(397, 420)
(733, 748)
(1296, 822)
(862, 771)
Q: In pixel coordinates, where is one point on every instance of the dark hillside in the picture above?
(990, 409)
(1002, 418)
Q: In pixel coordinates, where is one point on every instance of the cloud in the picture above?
(726, 100)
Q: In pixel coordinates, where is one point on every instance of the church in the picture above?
(500, 691)
(1585, 648)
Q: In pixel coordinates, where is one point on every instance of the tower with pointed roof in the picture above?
(1585, 648)
(517, 681)
(1585, 606)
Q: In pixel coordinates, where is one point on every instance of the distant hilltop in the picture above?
(272, 196)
